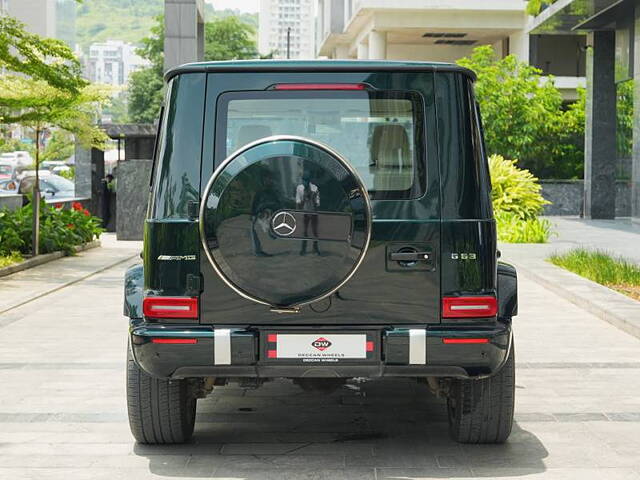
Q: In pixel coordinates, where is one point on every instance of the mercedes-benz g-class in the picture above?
(320, 221)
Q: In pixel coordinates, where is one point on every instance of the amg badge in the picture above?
(176, 257)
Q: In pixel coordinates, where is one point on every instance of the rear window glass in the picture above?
(379, 133)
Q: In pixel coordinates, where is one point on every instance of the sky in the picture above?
(242, 5)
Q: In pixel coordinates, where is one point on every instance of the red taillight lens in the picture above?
(469, 307)
(454, 341)
(175, 341)
(320, 86)
(170, 307)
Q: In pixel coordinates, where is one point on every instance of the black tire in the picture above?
(160, 411)
(481, 411)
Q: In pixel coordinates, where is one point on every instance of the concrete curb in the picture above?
(608, 305)
(45, 258)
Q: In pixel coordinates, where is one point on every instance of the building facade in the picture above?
(612, 30)
(47, 18)
(112, 62)
(286, 28)
(445, 30)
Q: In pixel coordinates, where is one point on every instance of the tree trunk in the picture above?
(35, 201)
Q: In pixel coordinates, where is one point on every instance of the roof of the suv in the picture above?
(316, 66)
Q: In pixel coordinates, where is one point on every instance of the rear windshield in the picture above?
(379, 133)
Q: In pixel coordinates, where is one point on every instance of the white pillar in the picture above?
(519, 45)
(362, 51)
(341, 52)
(377, 45)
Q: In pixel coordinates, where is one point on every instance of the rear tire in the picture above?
(481, 411)
(160, 411)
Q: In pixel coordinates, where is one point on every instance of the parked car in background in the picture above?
(55, 166)
(52, 187)
(9, 157)
(18, 158)
(7, 186)
(6, 169)
(23, 157)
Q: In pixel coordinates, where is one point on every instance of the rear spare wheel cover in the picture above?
(285, 221)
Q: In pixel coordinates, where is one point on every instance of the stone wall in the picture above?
(567, 197)
(131, 198)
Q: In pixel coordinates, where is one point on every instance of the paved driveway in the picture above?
(62, 412)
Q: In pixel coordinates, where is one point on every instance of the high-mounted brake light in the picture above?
(320, 86)
(170, 307)
(469, 307)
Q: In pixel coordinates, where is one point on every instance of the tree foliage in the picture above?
(229, 39)
(36, 104)
(524, 116)
(146, 85)
(37, 57)
(60, 147)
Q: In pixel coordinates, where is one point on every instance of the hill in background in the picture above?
(131, 20)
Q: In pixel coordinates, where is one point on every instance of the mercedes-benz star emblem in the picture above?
(283, 223)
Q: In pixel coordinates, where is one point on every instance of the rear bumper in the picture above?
(403, 351)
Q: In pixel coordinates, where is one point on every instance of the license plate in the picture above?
(318, 346)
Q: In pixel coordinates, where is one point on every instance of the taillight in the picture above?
(174, 341)
(460, 341)
(170, 307)
(320, 86)
(469, 307)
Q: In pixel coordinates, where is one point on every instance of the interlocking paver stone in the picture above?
(63, 413)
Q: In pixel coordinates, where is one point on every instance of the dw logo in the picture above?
(321, 343)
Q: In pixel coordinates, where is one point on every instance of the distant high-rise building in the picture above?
(112, 62)
(38, 15)
(286, 25)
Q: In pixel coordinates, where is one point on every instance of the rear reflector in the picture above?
(464, 340)
(170, 307)
(175, 341)
(469, 307)
(320, 86)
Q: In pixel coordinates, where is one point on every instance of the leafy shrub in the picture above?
(512, 229)
(13, 257)
(60, 229)
(514, 190)
(517, 202)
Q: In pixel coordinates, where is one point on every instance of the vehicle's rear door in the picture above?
(384, 125)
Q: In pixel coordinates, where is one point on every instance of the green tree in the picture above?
(60, 146)
(229, 39)
(44, 88)
(146, 85)
(524, 117)
(40, 58)
(145, 95)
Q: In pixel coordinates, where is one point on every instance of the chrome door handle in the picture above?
(409, 256)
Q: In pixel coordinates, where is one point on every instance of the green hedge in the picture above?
(517, 202)
(60, 228)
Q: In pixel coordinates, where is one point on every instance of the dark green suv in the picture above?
(320, 221)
